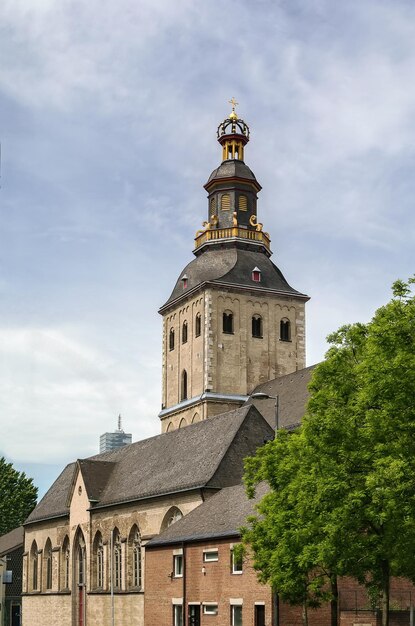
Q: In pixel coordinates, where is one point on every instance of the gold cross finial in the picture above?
(233, 102)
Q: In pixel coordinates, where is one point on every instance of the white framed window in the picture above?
(236, 563)
(210, 555)
(210, 608)
(236, 615)
(178, 565)
(177, 614)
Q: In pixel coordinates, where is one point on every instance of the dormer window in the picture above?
(184, 281)
(256, 275)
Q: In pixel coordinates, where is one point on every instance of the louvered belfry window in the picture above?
(212, 205)
(225, 202)
(243, 203)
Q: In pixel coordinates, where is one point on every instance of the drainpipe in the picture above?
(185, 616)
(112, 580)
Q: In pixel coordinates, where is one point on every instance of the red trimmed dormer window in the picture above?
(184, 281)
(256, 275)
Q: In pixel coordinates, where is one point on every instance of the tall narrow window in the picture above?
(135, 565)
(227, 322)
(184, 332)
(117, 559)
(285, 330)
(212, 205)
(257, 326)
(177, 615)
(98, 565)
(183, 390)
(198, 325)
(48, 565)
(225, 202)
(81, 565)
(256, 275)
(171, 339)
(33, 558)
(65, 563)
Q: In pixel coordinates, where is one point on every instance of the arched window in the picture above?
(34, 566)
(257, 326)
(183, 390)
(195, 418)
(134, 558)
(227, 322)
(285, 330)
(169, 427)
(65, 554)
(98, 561)
(212, 205)
(198, 325)
(184, 332)
(171, 339)
(48, 565)
(225, 202)
(183, 423)
(243, 203)
(116, 559)
(173, 515)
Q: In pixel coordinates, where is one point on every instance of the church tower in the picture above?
(232, 321)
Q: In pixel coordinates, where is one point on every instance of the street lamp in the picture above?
(259, 395)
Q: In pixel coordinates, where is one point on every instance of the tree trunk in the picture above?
(305, 614)
(385, 593)
(334, 602)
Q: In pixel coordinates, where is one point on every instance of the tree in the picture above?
(18, 497)
(357, 467)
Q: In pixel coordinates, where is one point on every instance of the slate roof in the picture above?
(205, 454)
(232, 169)
(293, 394)
(12, 540)
(231, 266)
(221, 515)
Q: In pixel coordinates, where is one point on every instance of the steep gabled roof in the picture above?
(206, 454)
(221, 515)
(293, 395)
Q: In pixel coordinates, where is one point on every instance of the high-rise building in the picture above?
(114, 440)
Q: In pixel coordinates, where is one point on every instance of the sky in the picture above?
(108, 117)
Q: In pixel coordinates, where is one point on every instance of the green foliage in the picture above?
(342, 497)
(18, 497)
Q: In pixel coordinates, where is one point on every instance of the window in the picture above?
(228, 322)
(285, 330)
(184, 280)
(177, 615)
(225, 202)
(136, 554)
(178, 565)
(34, 559)
(236, 615)
(257, 326)
(48, 565)
(65, 563)
(173, 515)
(117, 559)
(183, 390)
(100, 565)
(256, 275)
(184, 332)
(171, 339)
(212, 205)
(210, 555)
(210, 609)
(236, 562)
(198, 325)
(81, 565)
(243, 203)
(259, 614)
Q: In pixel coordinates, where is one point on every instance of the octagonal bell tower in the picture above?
(232, 321)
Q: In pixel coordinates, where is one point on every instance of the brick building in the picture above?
(11, 559)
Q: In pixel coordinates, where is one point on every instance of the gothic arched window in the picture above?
(285, 330)
(171, 339)
(184, 332)
(183, 386)
(135, 558)
(117, 559)
(227, 322)
(98, 561)
(65, 554)
(257, 326)
(34, 566)
(173, 515)
(198, 325)
(48, 565)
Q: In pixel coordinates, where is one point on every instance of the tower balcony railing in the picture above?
(214, 234)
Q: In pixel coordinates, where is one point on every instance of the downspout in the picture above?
(112, 580)
(185, 616)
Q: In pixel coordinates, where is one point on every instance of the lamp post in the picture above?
(259, 395)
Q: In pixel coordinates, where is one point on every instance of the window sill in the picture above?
(236, 573)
